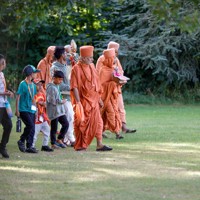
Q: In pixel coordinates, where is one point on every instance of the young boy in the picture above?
(5, 120)
(56, 110)
(26, 108)
(41, 120)
(60, 55)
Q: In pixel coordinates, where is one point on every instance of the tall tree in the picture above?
(158, 56)
(185, 13)
(29, 27)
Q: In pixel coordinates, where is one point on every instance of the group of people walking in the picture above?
(67, 98)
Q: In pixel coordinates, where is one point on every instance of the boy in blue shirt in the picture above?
(26, 108)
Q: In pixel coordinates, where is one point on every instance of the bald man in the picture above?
(45, 64)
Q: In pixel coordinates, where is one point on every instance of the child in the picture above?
(26, 108)
(5, 120)
(56, 110)
(41, 120)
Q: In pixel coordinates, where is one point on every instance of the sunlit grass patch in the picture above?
(157, 162)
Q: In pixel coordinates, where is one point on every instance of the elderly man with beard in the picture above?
(86, 99)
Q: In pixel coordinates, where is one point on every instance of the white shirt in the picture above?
(3, 99)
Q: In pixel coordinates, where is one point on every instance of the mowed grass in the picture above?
(160, 161)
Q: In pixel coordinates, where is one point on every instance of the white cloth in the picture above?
(45, 129)
(2, 89)
(70, 118)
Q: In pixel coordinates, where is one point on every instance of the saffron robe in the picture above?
(110, 94)
(85, 78)
(44, 74)
(121, 108)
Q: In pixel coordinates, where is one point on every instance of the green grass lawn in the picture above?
(160, 161)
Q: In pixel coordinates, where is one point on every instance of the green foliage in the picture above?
(29, 27)
(159, 41)
(175, 97)
(137, 98)
(158, 57)
(20, 17)
(185, 13)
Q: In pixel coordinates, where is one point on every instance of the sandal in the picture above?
(105, 148)
(129, 131)
(119, 137)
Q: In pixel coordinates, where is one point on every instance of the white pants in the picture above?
(45, 129)
(70, 118)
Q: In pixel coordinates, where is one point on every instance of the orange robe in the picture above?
(85, 79)
(121, 108)
(44, 74)
(41, 110)
(110, 94)
(99, 64)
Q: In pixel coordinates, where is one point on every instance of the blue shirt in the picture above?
(26, 96)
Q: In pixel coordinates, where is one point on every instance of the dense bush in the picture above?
(160, 55)
(157, 56)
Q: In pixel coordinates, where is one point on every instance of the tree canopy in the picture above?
(159, 40)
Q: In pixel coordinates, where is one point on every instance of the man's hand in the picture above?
(17, 113)
(9, 93)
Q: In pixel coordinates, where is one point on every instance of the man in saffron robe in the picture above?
(44, 66)
(74, 55)
(86, 100)
(111, 90)
(121, 108)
